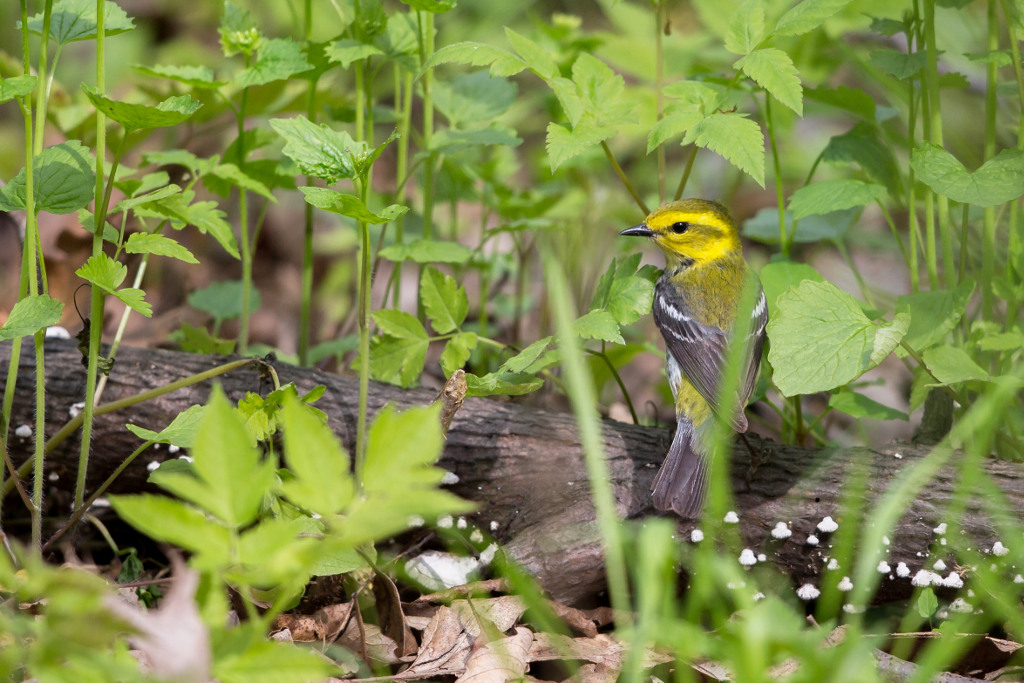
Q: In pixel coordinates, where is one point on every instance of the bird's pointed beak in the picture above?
(638, 231)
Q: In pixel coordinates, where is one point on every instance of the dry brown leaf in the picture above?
(500, 660)
(446, 645)
(172, 640)
(501, 613)
(602, 649)
(392, 619)
(377, 646)
(584, 622)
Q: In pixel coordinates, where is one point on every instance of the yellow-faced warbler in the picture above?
(695, 307)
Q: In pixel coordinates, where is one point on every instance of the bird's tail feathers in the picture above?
(682, 482)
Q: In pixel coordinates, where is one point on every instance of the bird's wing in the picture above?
(700, 349)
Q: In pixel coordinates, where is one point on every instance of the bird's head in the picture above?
(690, 231)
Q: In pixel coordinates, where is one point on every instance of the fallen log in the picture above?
(523, 465)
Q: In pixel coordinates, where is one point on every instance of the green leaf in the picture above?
(599, 325)
(62, 177)
(525, 358)
(861, 145)
(623, 293)
(537, 59)
(432, 6)
(807, 16)
(180, 432)
(449, 141)
(107, 274)
(457, 351)
(779, 276)
(398, 356)
(672, 125)
(172, 521)
(738, 139)
(1002, 341)
(17, 86)
(502, 384)
(403, 448)
(848, 99)
(349, 205)
(133, 117)
(240, 179)
(72, 20)
(428, 251)
(322, 481)
(898, 64)
(223, 300)
(208, 218)
(200, 340)
(269, 661)
(860, 406)
(999, 180)
(279, 59)
(821, 339)
(746, 29)
(200, 77)
(444, 301)
(501, 62)
(474, 98)
(927, 603)
(764, 226)
(564, 144)
(934, 314)
(399, 324)
(30, 315)
(827, 196)
(774, 71)
(144, 199)
(347, 50)
(951, 365)
(152, 243)
(318, 150)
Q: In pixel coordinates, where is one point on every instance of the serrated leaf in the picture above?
(223, 299)
(537, 59)
(347, 50)
(201, 77)
(349, 205)
(457, 351)
(502, 384)
(598, 325)
(63, 180)
(746, 29)
(399, 324)
(398, 360)
(432, 6)
(161, 245)
(774, 71)
(428, 251)
(525, 358)
(449, 141)
(738, 139)
(318, 150)
(172, 521)
(133, 117)
(952, 365)
(474, 98)
(181, 432)
(17, 86)
(240, 179)
(564, 144)
(1002, 341)
(898, 64)
(821, 339)
(30, 315)
(208, 218)
(73, 20)
(860, 406)
(277, 60)
(322, 480)
(828, 196)
(671, 126)
(501, 62)
(444, 301)
(145, 199)
(999, 180)
(934, 314)
(848, 99)
(861, 145)
(807, 16)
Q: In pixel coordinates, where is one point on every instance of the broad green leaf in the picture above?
(432, 6)
(62, 177)
(448, 141)
(133, 117)
(208, 218)
(828, 196)
(738, 139)
(223, 299)
(999, 180)
(774, 71)
(898, 64)
(399, 324)
(144, 199)
(457, 351)
(934, 314)
(444, 301)
(322, 480)
(428, 251)
(200, 77)
(501, 62)
(779, 276)
(172, 521)
(180, 432)
(525, 358)
(1002, 341)
(951, 365)
(807, 16)
(623, 293)
(886, 27)
(764, 226)
(350, 205)
(848, 99)
(278, 60)
(821, 339)
(16, 86)
(861, 145)
(502, 384)
(30, 315)
(1000, 58)
(474, 98)
(200, 340)
(598, 325)
(602, 93)
(927, 603)
(104, 272)
(240, 179)
(568, 96)
(537, 58)
(398, 360)
(347, 50)
(268, 660)
(564, 144)
(672, 125)
(860, 406)
(402, 450)
(73, 20)
(275, 553)
(746, 29)
(152, 243)
(318, 150)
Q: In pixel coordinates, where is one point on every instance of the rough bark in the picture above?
(525, 467)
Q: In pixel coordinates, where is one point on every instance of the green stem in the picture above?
(306, 300)
(935, 130)
(988, 242)
(622, 176)
(784, 239)
(618, 380)
(243, 230)
(364, 337)
(44, 50)
(686, 172)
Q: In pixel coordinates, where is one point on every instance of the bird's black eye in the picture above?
(680, 227)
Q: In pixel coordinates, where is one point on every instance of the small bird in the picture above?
(695, 307)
